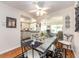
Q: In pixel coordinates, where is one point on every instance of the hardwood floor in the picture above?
(69, 53)
(13, 53)
(18, 51)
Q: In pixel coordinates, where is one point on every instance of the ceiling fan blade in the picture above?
(37, 6)
(45, 8)
(33, 11)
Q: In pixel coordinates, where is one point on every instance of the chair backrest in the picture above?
(65, 37)
(68, 37)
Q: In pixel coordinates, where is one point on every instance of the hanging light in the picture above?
(40, 11)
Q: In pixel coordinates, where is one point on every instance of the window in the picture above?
(56, 28)
(33, 26)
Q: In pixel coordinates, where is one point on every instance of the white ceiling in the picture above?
(29, 5)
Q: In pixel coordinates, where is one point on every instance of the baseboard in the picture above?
(7, 50)
(74, 53)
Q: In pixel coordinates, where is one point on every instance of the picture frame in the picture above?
(67, 21)
(77, 19)
(10, 22)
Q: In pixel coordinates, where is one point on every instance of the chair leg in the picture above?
(65, 53)
(67, 46)
(22, 52)
(70, 46)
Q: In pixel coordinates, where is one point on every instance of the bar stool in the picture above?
(66, 42)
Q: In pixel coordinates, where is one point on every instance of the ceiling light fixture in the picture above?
(40, 11)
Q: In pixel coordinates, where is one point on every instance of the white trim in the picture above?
(74, 53)
(7, 50)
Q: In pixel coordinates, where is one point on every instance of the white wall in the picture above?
(67, 11)
(71, 12)
(55, 20)
(9, 37)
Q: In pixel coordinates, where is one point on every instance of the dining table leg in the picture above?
(32, 52)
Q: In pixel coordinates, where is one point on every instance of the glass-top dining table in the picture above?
(41, 47)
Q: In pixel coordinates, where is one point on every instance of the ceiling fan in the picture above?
(39, 10)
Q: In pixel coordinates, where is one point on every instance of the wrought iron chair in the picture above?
(66, 42)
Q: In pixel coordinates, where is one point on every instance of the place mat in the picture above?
(36, 44)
